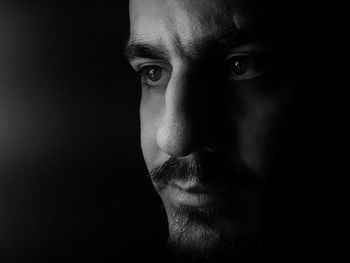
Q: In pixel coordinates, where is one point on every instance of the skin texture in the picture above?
(251, 126)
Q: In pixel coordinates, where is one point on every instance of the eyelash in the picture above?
(252, 64)
(144, 83)
(142, 75)
(144, 70)
(256, 65)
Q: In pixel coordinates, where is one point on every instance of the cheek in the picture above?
(259, 122)
(254, 135)
(254, 142)
(146, 147)
(150, 116)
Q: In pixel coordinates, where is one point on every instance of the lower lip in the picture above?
(183, 198)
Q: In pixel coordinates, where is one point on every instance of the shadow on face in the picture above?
(231, 96)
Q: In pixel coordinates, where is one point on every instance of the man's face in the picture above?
(216, 110)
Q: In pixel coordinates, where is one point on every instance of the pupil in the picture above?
(154, 74)
(240, 66)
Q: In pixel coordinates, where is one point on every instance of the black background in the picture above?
(73, 185)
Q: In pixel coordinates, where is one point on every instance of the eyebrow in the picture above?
(225, 40)
(139, 49)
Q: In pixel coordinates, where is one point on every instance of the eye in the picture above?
(154, 75)
(247, 66)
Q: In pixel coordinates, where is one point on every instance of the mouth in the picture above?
(193, 194)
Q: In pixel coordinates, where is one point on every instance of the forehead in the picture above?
(180, 22)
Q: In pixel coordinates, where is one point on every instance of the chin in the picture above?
(196, 243)
(205, 235)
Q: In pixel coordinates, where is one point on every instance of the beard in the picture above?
(197, 235)
(250, 223)
(223, 232)
(194, 235)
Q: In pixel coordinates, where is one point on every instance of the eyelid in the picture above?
(252, 76)
(258, 47)
(140, 63)
(256, 71)
(239, 55)
(249, 49)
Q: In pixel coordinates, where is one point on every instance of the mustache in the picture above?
(209, 171)
(175, 168)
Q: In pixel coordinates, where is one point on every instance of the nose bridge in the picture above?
(177, 134)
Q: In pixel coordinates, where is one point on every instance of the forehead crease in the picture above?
(209, 14)
(194, 25)
(182, 26)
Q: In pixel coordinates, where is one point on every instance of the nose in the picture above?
(178, 131)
